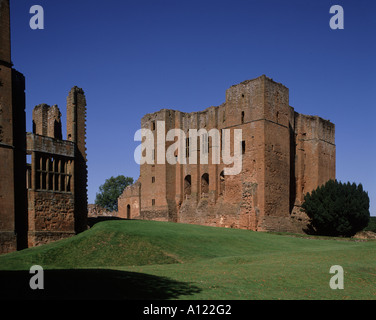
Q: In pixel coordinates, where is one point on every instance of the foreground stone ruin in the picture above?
(46, 199)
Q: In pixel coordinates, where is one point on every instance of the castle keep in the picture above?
(44, 200)
(285, 154)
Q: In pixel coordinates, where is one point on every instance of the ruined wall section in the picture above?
(283, 154)
(5, 48)
(315, 157)
(129, 203)
(76, 132)
(198, 182)
(40, 119)
(245, 110)
(7, 198)
(13, 216)
(51, 200)
(276, 112)
(232, 200)
(172, 120)
(57, 177)
(157, 178)
(57, 187)
(51, 217)
(260, 108)
(47, 121)
(54, 129)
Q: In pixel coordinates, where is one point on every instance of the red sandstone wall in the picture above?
(285, 155)
(131, 197)
(5, 48)
(57, 208)
(51, 216)
(57, 201)
(12, 144)
(7, 200)
(76, 132)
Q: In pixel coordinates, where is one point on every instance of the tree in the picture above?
(110, 191)
(337, 209)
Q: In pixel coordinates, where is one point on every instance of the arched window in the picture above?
(187, 186)
(205, 184)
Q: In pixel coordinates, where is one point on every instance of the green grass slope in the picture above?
(160, 260)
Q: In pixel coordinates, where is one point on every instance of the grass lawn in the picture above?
(133, 259)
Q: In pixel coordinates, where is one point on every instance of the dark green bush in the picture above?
(337, 209)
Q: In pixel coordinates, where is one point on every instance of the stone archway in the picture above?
(205, 185)
(128, 211)
(187, 186)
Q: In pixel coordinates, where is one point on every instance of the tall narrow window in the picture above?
(44, 173)
(152, 179)
(153, 202)
(243, 147)
(68, 184)
(187, 147)
(153, 125)
(222, 140)
(28, 176)
(38, 173)
(205, 143)
(221, 183)
(242, 117)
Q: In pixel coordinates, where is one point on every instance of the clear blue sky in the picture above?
(136, 57)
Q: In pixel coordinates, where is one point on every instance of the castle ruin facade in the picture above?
(46, 199)
(285, 154)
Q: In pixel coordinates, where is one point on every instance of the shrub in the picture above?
(337, 209)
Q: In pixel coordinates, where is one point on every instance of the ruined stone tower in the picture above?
(13, 212)
(76, 132)
(57, 175)
(44, 200)
(285, 154)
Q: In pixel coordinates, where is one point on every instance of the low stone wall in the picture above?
(95, 210)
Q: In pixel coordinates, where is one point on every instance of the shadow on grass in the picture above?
(91, 284)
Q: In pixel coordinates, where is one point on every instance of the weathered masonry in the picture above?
(46, 199)
(57, 176)
(285, 154)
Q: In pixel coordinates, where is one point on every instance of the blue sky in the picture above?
(137, 57)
